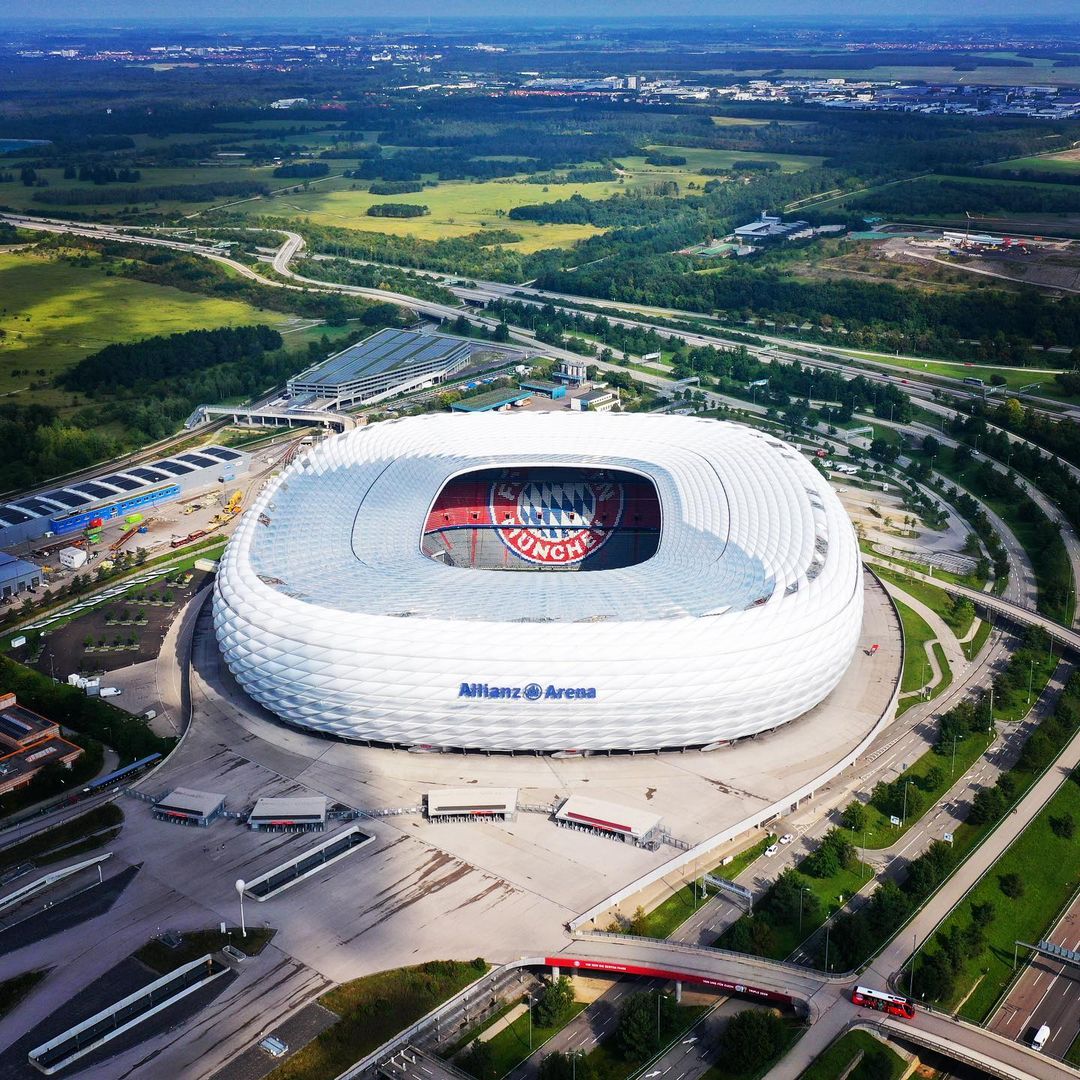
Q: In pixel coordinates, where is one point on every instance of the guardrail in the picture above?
(711, 951)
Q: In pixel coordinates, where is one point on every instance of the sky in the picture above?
(81, 11)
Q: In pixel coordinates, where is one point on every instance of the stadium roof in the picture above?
(381, 353)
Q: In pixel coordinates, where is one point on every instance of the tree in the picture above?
(889, 906)
(479, 1061)
(752, 1038)
(934, 978)
(639, 923)
(1064, 826)
(875, 1065)
(560, 1066)
(854, 816)
(636, 1035)
(552, 1008)
(1012, 885)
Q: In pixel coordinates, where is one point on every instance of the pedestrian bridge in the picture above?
(270, 416)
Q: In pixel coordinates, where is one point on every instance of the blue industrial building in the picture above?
(74, 507)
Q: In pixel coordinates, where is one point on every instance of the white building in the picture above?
(742, 612)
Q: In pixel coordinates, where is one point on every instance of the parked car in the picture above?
(772, 849)
(787, 838)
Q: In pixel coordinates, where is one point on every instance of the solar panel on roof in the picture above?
(10, 516)
(220, 452)
(35, 507)
(200, 462)
(125, 483)
(177, 468)
(96, 490)
(148, 474)
(69, 498)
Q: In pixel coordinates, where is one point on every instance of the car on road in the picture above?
(772, 849)
(787, 838)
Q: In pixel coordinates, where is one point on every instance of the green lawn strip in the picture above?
(478, 1029)
(677, 908)
(162, 958)
(512, 1045)
(937, 600)
(973, 647)
(917, 633)
(840, 1055)
(373, 1009)
(13, 990)
(1049, 866)
(1013, 704)
(1073, 1056)
(608, 1063)
(880, 832)
(779, 940)
(945, 681)
(82, 833)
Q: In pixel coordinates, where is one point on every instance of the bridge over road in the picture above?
(271, 416)
(812, 993)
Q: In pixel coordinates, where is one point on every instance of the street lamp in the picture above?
(903, 816)
(241, 885)
(1031, 677)
(528, 998)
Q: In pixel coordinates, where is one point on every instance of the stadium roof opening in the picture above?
(543, 518)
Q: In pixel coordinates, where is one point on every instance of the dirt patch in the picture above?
(125, 631)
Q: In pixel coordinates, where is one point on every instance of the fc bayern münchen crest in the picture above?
(555, 523)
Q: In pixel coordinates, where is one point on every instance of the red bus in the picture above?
(893, 1004)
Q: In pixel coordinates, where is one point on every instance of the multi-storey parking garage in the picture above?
(370, 593)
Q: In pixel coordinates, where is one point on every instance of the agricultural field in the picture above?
(52, 314)
(1067, 162)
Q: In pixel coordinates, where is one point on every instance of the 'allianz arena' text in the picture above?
(545, 581)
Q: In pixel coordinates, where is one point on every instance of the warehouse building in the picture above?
(88, 504)
(769, 227)
(305, 814)
(16, 576)
(387, 363)
(544, 388)
(598, 400)
(472, 804)
(186, 806)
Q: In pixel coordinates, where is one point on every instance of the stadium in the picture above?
(542, 582)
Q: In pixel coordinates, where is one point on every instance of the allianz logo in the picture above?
(532, 692)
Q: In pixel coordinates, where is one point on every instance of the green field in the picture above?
(461, 207)
(836, 1060)
(938, 600)
(1049, 866)
(917, 633)
(53, 314)
(513, 1044)
(1066, 162)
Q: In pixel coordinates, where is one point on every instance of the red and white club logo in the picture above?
(555, 524)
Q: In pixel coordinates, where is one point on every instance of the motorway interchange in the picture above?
(1046, 989)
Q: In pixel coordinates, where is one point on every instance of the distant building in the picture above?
(28, 742)
(544, 388)
(186, 806)
(492, 401)
(389, 362)
(17, 575)
(304, 814)
(600, 400)
(288, 102)
(769, 227)
(571, 371)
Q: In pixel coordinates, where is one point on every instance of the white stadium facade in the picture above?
(542, 582)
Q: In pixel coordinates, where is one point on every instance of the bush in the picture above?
(854, 817)
(636, 1035)
(479, 1061)
(1012, 885)
(560, 1066)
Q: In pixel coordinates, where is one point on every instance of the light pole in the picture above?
(241, 885)
(828, 927)
(528, 998)
(952, 767)
(1031, 677)
(911, 972)
(903, 816)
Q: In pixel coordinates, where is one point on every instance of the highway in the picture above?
(1046, 992)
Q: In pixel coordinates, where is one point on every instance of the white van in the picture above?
(1039, 1039)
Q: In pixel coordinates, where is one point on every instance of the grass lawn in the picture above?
(917, 634)
(1049, 866)
(161, 958)
(53, 314)
(973, 647)
(842, 1053)
(938, 600)
(511, 1046)
(677, 908)
(374, 1009)
(13, 990)
(1073, 1056)
(972, 581)
(880, 832)
(607, 1063)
